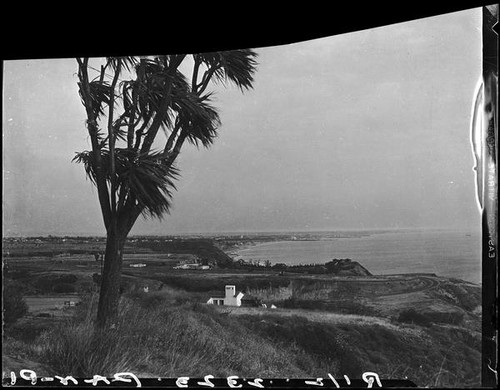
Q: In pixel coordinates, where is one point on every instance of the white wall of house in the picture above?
(230, 299)
(216, 301)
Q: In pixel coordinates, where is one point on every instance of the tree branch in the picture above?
(194, 79)
(206, 79)
(112, 142)
(128, 215)
(121, 199)
(131, 127)
(159, 117)
(177, 148)
(102, 188)
(138, 133)
(163, 109)
(172, 136)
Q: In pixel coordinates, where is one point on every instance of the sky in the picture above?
(366, 130)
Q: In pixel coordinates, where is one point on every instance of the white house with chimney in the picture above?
(232, 298)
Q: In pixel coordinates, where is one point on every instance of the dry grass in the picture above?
(154, 338)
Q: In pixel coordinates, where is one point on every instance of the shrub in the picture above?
(44, 285)
(453, 318)
(48, 283)
(63, 288)
(17, 274)
(151, 300)
(27, 331)
(412, 316)
(14, 305)
(96, 278)
(68, 278)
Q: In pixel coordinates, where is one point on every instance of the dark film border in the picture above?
(286, 27)
(215, 383)
(489, 156)
(203, 29)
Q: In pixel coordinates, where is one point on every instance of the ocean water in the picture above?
(455, 254)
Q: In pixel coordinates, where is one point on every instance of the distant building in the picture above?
(232, 298)
(192, 266)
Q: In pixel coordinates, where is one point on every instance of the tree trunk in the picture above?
(109, 296)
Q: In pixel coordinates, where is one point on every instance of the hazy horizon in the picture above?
(258, 232)
(362, 131)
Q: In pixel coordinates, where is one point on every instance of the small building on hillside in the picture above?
(195, 266)
(231, 298)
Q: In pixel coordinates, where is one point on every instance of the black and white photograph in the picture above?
(310, 212)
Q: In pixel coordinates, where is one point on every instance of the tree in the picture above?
(128, 100)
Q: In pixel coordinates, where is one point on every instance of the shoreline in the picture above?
(451, 255)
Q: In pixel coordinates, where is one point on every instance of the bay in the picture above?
(455, 254)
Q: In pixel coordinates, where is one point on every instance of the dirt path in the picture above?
(429, 284)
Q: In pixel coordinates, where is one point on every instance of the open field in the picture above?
(396, 325)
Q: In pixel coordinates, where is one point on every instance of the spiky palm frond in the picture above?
(236, 66)
(100, 93)
(119, 132)
(128, 63)
(155, 86)
(198, 119)
(239, 67)
(87, 159)
(146, 178)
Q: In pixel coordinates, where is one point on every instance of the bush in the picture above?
(412, 316)
(453, 318)
(150, 300)
(48, 283)
(96, 278)
(63, 288)
(69, 278)
(14, 305)
(17, 274)
(27, 331)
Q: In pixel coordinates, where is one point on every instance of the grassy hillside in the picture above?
(168, 334)
(160, 334)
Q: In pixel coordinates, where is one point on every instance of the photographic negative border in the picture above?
(486, 121)
(488, 124)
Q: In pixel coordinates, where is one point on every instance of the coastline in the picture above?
(449, 253)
